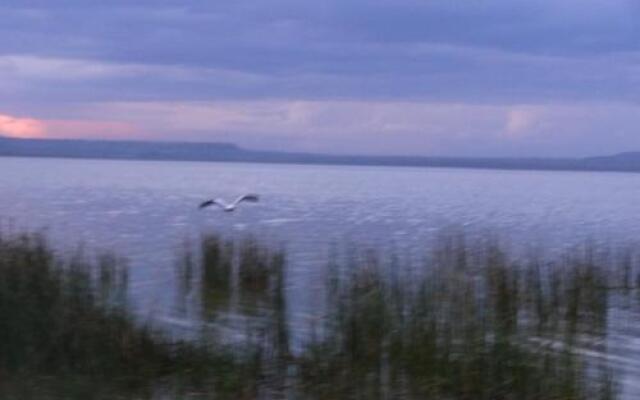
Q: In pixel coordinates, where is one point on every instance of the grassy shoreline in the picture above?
(474, 323)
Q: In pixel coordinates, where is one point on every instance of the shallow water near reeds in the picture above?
(145, 210)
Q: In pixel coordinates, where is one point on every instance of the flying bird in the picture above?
(228, 207)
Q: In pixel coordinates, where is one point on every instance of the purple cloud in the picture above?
(373, 75)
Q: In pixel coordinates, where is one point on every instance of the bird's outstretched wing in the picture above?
(252, 198)
(212, 202)
(206, 204)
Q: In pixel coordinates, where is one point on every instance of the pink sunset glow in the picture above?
(21, 127)
(29, 128)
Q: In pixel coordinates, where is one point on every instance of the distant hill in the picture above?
(183, 151)
(620, 162)
(136, 150)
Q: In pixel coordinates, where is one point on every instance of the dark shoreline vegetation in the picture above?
(473, 323)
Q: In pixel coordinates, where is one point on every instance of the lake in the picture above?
(145, 210)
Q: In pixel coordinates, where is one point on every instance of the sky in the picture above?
(549, 78)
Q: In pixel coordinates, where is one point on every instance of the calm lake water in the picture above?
(144, 210)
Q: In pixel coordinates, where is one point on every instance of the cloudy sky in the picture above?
(420, 77)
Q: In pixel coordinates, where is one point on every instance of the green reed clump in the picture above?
(258, 266)
(185, 269)
(246, 266)
(247, 270)
(217, 262)
(475, 323)
(66, 328)
(243, 283)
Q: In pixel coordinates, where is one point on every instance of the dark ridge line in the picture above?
(228, 152)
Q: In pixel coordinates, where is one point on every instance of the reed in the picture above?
(473, 322)
(68, 331)
(217, 263)
(254, 274)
